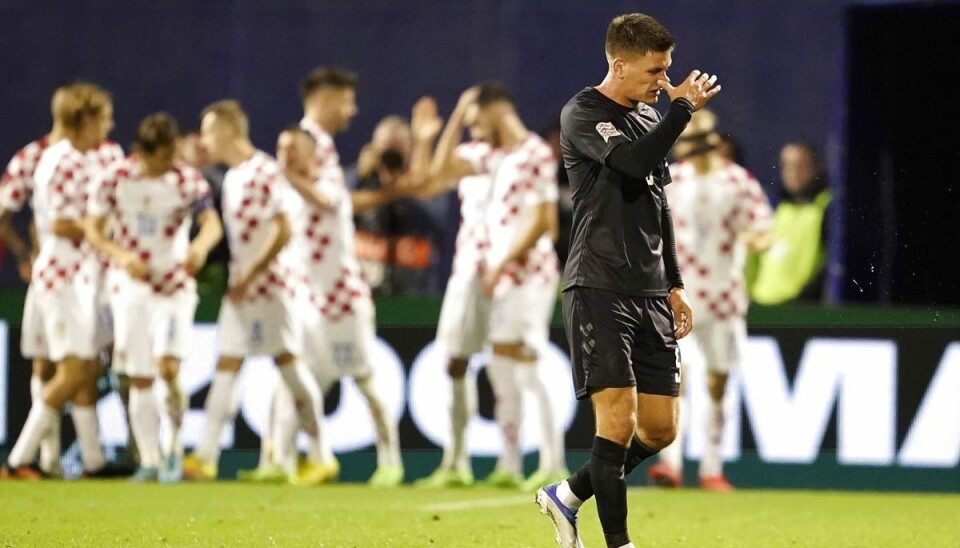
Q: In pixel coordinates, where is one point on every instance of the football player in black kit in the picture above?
(623, 303)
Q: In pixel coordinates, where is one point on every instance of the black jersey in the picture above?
(617, 240)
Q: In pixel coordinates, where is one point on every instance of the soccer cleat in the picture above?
(316, 473)
(503, 480)
(386, 476)
(195, 469)
(145, 475)
(717, 484)
(171, 470)
(564, 519)
(662, 474)
(26, 472)
(263, 474)
(110, 470)
(446, 477)
(541, 478)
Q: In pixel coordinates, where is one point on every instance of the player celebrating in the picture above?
(465, 313)
(62, 318)
(623, 304)
(720, 210)
(335, 286)
(151, 200)
(256, 313)
(520, 273)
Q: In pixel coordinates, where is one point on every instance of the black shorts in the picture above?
(621, 340)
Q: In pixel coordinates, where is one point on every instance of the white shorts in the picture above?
(62, 323)
(720, 342)
(336, 348)
(522, 314)
(263, 327)
(32, 340)
(103, 308)
(149, 327)
(464, 317)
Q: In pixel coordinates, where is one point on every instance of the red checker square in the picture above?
(704, 271)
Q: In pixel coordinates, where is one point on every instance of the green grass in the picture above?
(231, 514)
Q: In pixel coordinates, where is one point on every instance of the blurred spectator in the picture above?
(793, 268)
(212, 278)
(404, 247)
(551, 134)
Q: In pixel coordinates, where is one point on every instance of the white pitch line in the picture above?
(461, 505)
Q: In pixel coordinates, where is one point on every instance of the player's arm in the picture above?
(209, 235)
(682, 313)
(756, 217)
(757, 242)
(541, 220)
(425, 125)
(94, 230)
(307, 189)
(20, 249)
(279, 236)
(365, 200)
(446, 164)
(639, 157)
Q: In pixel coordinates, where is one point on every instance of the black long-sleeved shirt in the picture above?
(615, 157)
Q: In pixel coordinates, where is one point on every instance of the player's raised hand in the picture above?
(467, 98)
(698, 88)
(424, 120)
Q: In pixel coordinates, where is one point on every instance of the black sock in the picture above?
(580, 484)
(610, 487)
(637, 453)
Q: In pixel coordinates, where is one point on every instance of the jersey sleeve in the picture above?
(15, 184)
(590, 131)
(272, 187)
(756, 215)
(197, 190)
(103, 193)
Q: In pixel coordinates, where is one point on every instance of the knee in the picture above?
(142, 383)
(169, 368)
(283, 359)
(231, 364)
(658, 436)
(717, 386)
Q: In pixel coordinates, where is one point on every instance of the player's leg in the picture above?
(43, 371)
(87, 426)
(32, 345)
(724, 351)
(171, 326)
(233, 336)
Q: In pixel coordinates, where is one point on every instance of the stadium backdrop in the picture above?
(858, 398)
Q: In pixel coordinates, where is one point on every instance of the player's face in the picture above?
(470, 121)
(797, 168)
(294, 151)
(485, 124)
(106, 122)
(215, 136)
(342, 102)
(640, 74)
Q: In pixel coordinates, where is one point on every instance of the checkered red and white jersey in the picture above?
(105, 155)
(324, 238)
(475, 192)
(254, 193)
(523, 178)
(151, 216)
(60, 180)
(709, 212)
(16, 186)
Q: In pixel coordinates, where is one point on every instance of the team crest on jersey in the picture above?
(606, 130)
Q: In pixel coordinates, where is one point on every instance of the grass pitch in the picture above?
(230, 514)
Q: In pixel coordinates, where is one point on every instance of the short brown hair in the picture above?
(493, 92)
(156, 131)
(637, 33)
(72, 102)
(231, 112)
(327, 77)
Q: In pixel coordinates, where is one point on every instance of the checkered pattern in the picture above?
(254, 193)
(709, 212)
(473, 241)
(524, 178)
(323, 240)
(151, 217)
(16, 186)
(59, 179)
